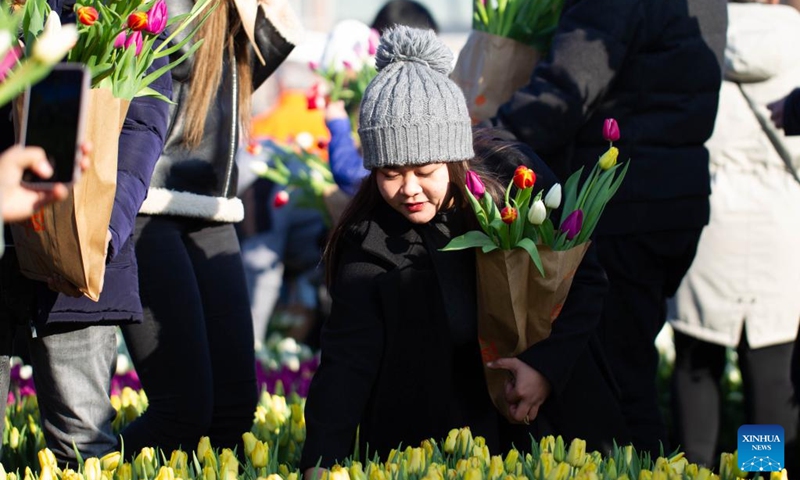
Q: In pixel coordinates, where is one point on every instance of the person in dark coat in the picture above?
(73, 344)
(655, 67)
(401, 361)
(785, 113)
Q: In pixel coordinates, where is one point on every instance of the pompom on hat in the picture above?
(412, 113)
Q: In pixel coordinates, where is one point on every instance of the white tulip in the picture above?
(537, 213)
(5, 42)
(553, 198)
(55, 40)
(305, 140)
(259, 168)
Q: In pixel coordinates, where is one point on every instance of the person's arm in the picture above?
(351, 343)
(346, 164)
(589, 48)
(140, 145)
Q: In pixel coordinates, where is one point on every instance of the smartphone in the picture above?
(54, 118)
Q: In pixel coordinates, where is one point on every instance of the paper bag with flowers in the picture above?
(507, 39)
(117, 41)
(525, 260)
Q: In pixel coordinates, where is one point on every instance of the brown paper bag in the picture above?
(69, 238)
(517, 306)
(490, 69)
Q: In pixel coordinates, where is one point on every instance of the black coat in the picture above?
(655, 66)
(400, 355)
(791, 113)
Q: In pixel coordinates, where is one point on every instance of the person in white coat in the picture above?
(743, 288)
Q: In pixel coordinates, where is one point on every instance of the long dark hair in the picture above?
(369, 197)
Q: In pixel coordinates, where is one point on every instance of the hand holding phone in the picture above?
(54, 118)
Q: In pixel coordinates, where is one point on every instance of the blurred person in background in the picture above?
(197, 321)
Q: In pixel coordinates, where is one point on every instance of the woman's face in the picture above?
(417, 192)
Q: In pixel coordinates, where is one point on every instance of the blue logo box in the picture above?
(761, 448)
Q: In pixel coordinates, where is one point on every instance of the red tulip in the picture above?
(572, 224)
(281, 199)
(524, 177)
(87, 15)
(508, 214)
(610, 130)
(137, 21)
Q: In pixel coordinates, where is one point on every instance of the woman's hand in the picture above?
(526, 390)
(314, 473)
(335, 110)
(776, 112)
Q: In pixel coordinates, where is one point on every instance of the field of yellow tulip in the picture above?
(272, 449)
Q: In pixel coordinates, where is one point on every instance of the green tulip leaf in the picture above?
(471, 239)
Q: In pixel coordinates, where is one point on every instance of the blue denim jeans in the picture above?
(73, 366)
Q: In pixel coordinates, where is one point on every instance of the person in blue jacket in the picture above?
(72, 345)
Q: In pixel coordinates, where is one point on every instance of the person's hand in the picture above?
(526, 390)
(335, 110)
(776, 111)
(18, 201)
(314, 473)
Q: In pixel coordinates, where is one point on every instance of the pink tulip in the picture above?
(135, 38)
(9, 60)
(610, 130)
(157, 18)
(475, 185)
(119, 42)
(374, 40)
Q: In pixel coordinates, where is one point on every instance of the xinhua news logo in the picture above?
(761, 448)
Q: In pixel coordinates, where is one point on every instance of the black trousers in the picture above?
(643, 269)
(768, 395)
(194, 352)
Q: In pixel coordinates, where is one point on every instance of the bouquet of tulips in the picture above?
(45, 49)
(508, 37)
(522, 249)
(303, 174)
(117, 43)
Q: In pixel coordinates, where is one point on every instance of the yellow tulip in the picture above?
(416, 460)
(482, 453)
(12, 476)
(560, 472)
(559, 451)
(202, 447)
(228, 460)
(179, 462)
(116, 402)
(782, 475)
(576, 456)
(608, 159)
(92, 469)
(272, 476)
(249, 442)
(628, 452)
(13, 438)
(512, 459)
(547, 444)
(338, 473)
(124, 472)
(28, 474)
(645, 475)
(209, 473)
(165, 473)
(450, 442)
(474, 474)
(144, 463)
(260, 455)
(660, 475)
(611, 468)
(70, 474)
(496, 467)
(210, 460)
(47, 473)
(110, 461)
(691, 470)
(3, 475)
(703, 474)
(357, 472)
(464, 440)
(46, 457)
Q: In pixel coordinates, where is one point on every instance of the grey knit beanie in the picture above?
(412, 113)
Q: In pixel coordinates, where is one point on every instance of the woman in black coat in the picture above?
(400, 356)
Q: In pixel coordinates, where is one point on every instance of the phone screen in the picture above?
(53, 121)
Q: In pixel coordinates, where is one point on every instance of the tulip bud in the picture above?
(313, 66)
(508, 215)
(559, 451)
(576, 455)
(475, 185)
(119, 42)
(610, 130)
(537, 213)
(55, 40)
(135, 39)
(260, 455)
(203, 446)
(13, 438)
(524, 177)
(157, 18)
(553, 198)
(137, 21)
(87, 15)
(572, 224)
(609, 159)
(281, 199)
(46, 457)
(8, 61)
(373, 41)
(250, 441)
(450, 441)
(110, 461)
(92, 470)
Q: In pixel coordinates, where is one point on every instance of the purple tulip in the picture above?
(157, 18)
(475, 185)
(119, 42)
(572, 224)
(610, 130)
